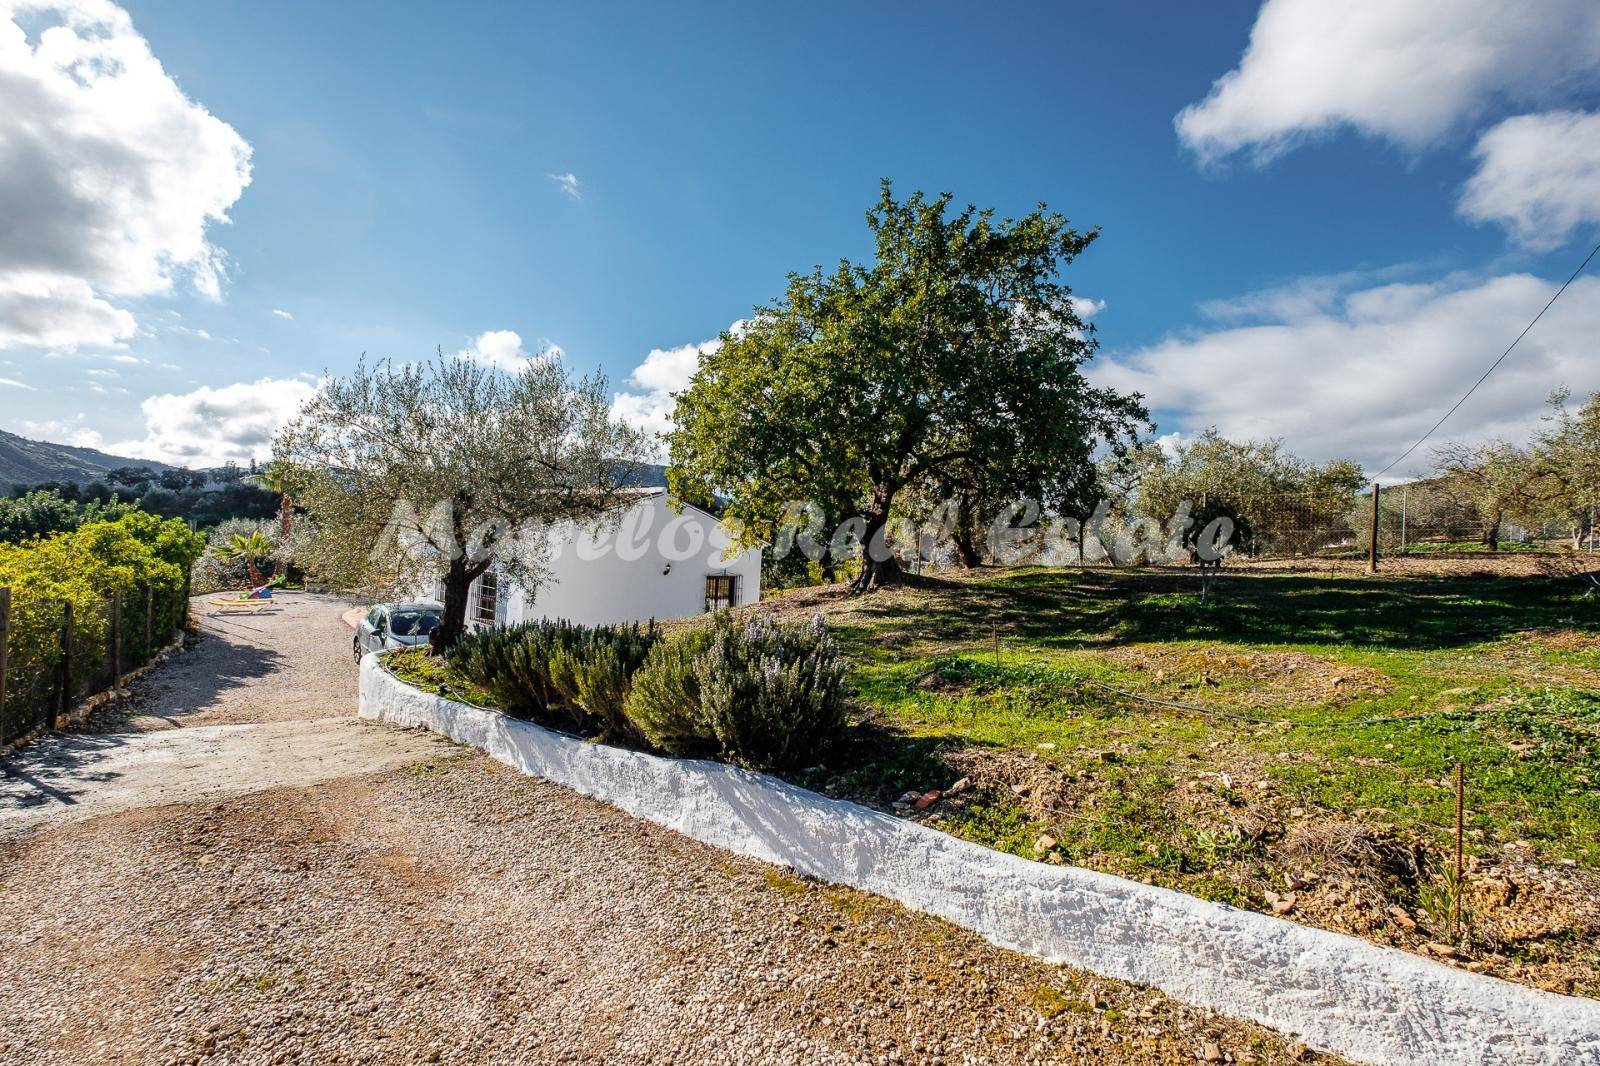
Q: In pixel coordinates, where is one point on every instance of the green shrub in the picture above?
(664, 703)
(602, 685)
(557, 672)
(773, 694)
(513, 664)
(136, 555)
(41, 513)
(762, 695)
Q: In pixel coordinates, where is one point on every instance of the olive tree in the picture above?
(1277, 501)
(442, 469)
(1496, 478)
(1567, 452)
(955, 358)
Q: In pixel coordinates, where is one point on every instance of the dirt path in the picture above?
(69, 778)
(294, 663)
(258, 703)
(453, 910)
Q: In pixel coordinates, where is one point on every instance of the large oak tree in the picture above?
(954, 358)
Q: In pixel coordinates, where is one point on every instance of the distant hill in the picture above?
(648, 476)
(25, 462)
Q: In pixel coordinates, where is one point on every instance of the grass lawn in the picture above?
(1300, 759)
(1289, 746)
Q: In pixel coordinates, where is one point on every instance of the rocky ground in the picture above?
(452, 910)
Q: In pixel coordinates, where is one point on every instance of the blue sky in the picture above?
(1296, 261)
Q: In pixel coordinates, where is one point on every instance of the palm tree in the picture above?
(250, 548)
(276, 477)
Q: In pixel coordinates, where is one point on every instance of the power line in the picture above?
(1494, 365)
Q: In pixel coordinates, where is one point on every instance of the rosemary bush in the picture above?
(758, 694)
(557, 672)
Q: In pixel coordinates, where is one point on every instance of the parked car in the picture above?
(395, 625)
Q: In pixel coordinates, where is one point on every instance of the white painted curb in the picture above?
(1336, 993)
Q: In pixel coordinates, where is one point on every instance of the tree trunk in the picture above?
(964, 534)
(457, 591)
(285, 516)
(875, 573)
(1491, 535)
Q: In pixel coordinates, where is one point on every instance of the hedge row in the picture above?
(758, 694)
(140, 556)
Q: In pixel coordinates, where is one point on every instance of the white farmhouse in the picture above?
(647, 562)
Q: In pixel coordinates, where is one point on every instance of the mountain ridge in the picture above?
(27, 462)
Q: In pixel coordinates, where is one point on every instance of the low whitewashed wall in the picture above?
(1336, 993)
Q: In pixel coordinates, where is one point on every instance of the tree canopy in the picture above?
(955, 358)
(1567, 454)
(40, 513)
(1277, 500)
(442, 469)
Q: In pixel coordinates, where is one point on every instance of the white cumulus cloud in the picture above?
(1405, 70)
(281, 313)
(109, 174)
(62, 431)
(649, 399)
(53, 311)
(503, 349)
(1087, 307)
(1368, 372)
(1538, 176)
(209, 426)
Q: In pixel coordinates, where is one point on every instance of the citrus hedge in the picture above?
(143, 557)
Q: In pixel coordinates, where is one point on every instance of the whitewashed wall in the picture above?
(627, 571)
(1339, 994)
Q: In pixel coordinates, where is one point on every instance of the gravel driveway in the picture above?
(259, 702)
(452, 910)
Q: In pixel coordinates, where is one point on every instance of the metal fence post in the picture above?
(116, 642)
(61, 706)
(5, 648)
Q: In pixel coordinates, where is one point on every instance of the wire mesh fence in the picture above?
(46, 669)
(1411, 519)
(1422, 519)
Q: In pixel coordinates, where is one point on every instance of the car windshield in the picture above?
(412, 623)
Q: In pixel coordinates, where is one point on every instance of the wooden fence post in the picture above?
(1372, 543)
(5, 649)
(61, 706)
(116, 642)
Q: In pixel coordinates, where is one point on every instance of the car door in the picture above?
(374, 628)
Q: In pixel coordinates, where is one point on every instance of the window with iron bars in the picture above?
(722, 590)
